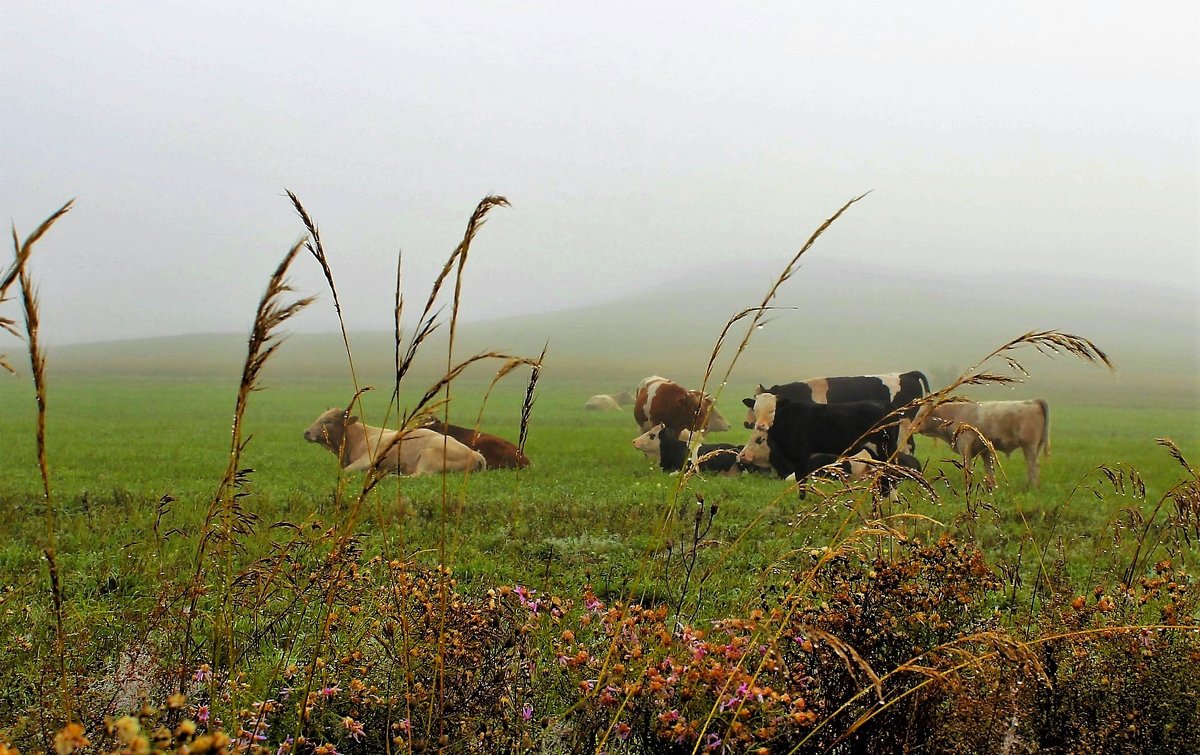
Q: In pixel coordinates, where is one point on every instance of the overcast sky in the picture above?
(633, 140)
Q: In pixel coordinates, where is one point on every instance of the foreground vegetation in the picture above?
(164, 590)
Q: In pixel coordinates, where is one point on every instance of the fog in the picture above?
(637, 143)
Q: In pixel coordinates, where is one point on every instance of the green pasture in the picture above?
(591, 509)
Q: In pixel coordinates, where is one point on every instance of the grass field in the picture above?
(170, 589)
(591, 511)
(116, 447)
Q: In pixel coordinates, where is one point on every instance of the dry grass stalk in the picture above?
(22, 251)
(19, 271)
(225, 519)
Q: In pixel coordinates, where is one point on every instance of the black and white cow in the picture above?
(895, 390)
(801, 429)
(858, 465)
(666, 445)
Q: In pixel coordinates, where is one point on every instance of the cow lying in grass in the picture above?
(499, 453)
(361, 447)
(1007, 426)
(860, 464)
(671, 450)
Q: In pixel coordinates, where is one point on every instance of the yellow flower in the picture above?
(70, 739)
(127, 728)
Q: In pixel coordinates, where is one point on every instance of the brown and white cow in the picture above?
(361, 447)
(499, 453)
(661, 400)
(1007, 425)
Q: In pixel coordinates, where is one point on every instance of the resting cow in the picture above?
(661, 400)
(671, 451)
(499, 453)
(415, 452)
(858, 465)
(602, 403)
(895, 390)
(801, 429)
(1007, 425)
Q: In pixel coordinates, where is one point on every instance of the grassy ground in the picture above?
(590, 509)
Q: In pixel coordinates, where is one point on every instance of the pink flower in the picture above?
(526, 711)
(330, 691)
(202, 714)
(354, 727)
(203, 673)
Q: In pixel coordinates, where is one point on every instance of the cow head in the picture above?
(650, 442)
(329, 429)
(762, 411)
(756, 452)
(714, 422)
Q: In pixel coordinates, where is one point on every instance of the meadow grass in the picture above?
(207, 565)
(590, 502)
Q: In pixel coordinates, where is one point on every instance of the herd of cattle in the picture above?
(830, 425)
(835, 425)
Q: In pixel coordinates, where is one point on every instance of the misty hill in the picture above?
(828, 321)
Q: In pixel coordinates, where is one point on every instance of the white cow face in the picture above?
(650, 442)
(756, 451)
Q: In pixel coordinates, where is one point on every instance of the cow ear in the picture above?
(351, 420)
(749, 402)
(761, 389)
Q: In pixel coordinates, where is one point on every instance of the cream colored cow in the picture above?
(415, 452)
(1007, 426)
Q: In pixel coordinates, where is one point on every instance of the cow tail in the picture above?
(924, 382)
(1045, 444)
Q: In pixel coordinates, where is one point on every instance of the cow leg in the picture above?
(1031, 465)
(989, 466)
(430, 461)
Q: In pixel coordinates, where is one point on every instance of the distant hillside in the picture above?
(843, 322)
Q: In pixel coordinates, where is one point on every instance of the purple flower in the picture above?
(526, 711)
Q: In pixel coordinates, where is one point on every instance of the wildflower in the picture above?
(623, 730)
(526, 712)
(354, 727)
(202, 714)
(736, 698)
(330, 691)
(713, 743)
(203, 673)
(127, 727)
(285, 747)
(70, 739)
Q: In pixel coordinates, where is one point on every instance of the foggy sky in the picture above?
(633, 140)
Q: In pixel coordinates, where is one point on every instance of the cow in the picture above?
(1007, 425)
(661, 400)
(602, 403)
(499, 453)
(858, 465)
(896, 390)
(671, 451)
(801, 428)
(418, 451)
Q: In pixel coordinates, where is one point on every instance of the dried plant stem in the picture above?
(19, 271)
(225, 519)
